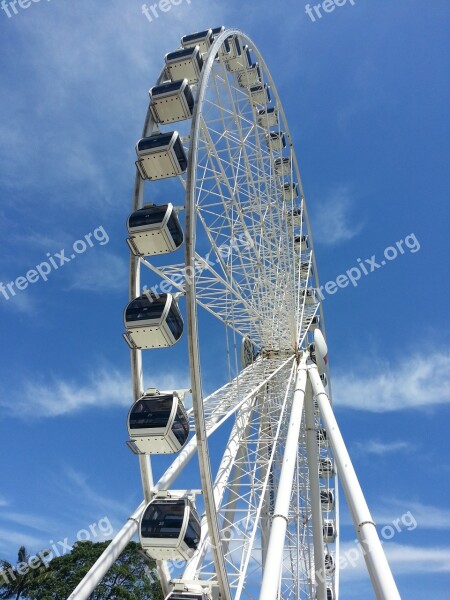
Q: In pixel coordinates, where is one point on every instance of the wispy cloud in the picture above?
(13, 538)
(104, 389)
(379, 448)
(35, 522)
(403, 559)
(418, 381)
(335, 222)
(427, 516)
(103, 272)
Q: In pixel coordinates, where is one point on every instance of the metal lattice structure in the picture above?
(269, 493)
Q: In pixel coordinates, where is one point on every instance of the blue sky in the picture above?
(365, 90)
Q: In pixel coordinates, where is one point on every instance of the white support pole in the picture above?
(275, 550)
(265, 453)
(316, 508)
(380, 573)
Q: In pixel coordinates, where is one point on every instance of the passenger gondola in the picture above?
(310, 296)
(259, 94)
(153, 321)
(295, 219)
(283, 166)
(326, 468)
(154, 230)
(322, 437)
(238, 58)
(289, 191)
(202, 39)
(329, 531)
(160, 156)
(327, 500)
(250, 76)
(301, 242)
(170, 529)
(276, 141)
(190, 590)
(171, 101)
(324, 380)
(268, 117)
(315, 323)
(329, 564)
(306, 270)
(158, 423)
(185, 64)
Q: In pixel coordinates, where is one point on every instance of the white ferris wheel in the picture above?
(224, 266)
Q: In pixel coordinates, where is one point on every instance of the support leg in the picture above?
(380, 573)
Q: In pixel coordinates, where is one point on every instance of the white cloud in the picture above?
(425, 515)
(104, 389)
(25, 519)
(418, 381)
(334, 223)
(403, 560)
(14, 539)
(379, 448)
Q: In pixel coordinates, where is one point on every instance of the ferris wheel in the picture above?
(223, 275)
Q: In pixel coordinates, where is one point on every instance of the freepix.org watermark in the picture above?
(351, 557)
(317, 11)
(364, 267)
(53, 263)
(153, 11)
(10, 8)
(102, 528)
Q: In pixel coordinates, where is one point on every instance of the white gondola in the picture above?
(315, 323)
(326, 468)
(306, 269)
(324, 380)
(157, 423)
(329, 594)
(184, 64)
(183, 590)
(154, 230)
(259, 94)
(275, 141)
(295, 219)
(152, 321)
(161, 155)
(171, 101)
(327, 500)
(202, 39)
(329, 564)
(322, 437)
(283, 166)
(250, 76)
(301, 243)
(329, 531)
(310, 296)
(248, 352)
(268, 117)
(237, 58)
(170, 529)
(289, 191)
(216, 31)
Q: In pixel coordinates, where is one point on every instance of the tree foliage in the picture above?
(132, 577)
